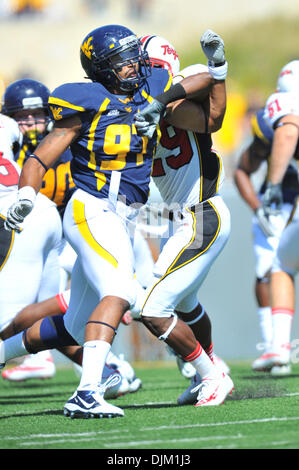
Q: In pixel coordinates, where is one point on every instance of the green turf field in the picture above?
(263, 413)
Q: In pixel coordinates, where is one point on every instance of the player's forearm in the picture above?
(197, 87)
(32, 175)
(283, 149)
(217, 105)
(246, 189)
(48, 152)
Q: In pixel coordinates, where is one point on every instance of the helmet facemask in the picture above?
(34, 124)
(107, 67)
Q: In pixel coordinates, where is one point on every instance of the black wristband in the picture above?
(177, 92)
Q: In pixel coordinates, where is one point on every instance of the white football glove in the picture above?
(272, 199)
(17, 213)
(146, 121)
(213, 47)
(264, 222)
(20, 209)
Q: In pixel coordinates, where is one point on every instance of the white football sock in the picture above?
(203, 364)
(282, 319)
(94, 358)
(14, 347)
(265, 321)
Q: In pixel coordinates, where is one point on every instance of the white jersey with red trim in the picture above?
(29, 260)
(278, 105)
(186, 170)
(9, 169)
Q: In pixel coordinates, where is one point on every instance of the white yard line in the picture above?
(42, 439)
(224, 423)
(45, 439)
(132, 443)
(80, 434)
(162, 441)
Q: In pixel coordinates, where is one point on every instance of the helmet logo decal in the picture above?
(56, 113)
(169, 50)
(285, 72)
(87, 47)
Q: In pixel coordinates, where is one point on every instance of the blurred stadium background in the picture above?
(41, 39)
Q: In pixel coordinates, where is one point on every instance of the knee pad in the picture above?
(54, 334)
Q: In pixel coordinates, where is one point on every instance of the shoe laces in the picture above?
(112, 380)
(203, 387)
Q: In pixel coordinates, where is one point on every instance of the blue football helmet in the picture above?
(106, 50)
(28, 94)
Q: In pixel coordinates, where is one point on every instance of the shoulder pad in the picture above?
(11, 129)
(279, 105)
(10, 135)
(161, 77)
(73, 98)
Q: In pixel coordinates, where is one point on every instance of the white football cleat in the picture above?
(124, 367)
(113, 391)
(278, 356)
(213, 392)
(91, 403)
(282, 360)
(135, 385)
(264, 363)
(36, 366)
(186, 369)
(189, 396)
(281, 370)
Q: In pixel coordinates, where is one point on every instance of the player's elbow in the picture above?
(215, 123)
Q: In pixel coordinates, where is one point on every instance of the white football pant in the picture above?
(186, 259)
(287, 256)
(30, 274)
(265, 247)
(102, 237)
